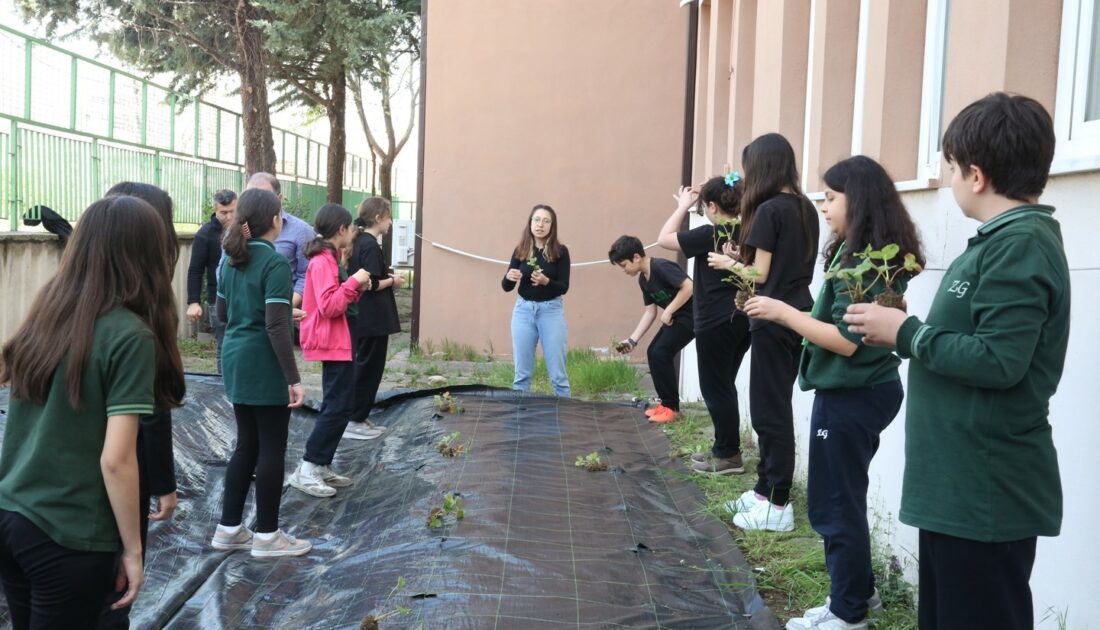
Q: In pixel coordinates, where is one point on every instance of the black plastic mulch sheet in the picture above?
(543, 544)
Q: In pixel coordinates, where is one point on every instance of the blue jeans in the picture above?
(532, 322)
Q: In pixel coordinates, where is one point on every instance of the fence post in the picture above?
(144, 112)
(111, 107)
(96, 188)
(172, 122)
(198, 133)
(218, 135)
(28, 62)
(72, 94)
(13, 183)
(156, 167)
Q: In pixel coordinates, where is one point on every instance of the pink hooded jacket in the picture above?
(324, 332)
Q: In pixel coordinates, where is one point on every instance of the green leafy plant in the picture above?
(449, 445)
(449, 404)
(370, 622)
(533, 263)
(723, 232)
(590, 462)
(877, 261)
(451, 508)
(744, 278)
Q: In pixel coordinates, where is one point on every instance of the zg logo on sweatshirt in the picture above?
(959, 288)
(823, 434)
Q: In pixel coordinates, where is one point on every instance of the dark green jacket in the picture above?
(979, 455)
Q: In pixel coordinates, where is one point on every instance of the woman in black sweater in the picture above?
(540, 266)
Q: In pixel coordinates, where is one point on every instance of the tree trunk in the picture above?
(337, 140)
(385, 177)
(259, 145)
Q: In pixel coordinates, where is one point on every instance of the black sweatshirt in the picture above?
(206, 253)
(557, 271)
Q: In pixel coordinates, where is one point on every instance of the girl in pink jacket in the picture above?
(326, 337)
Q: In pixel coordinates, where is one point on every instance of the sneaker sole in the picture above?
(778, 530)
(340, 484)
(728, 471)
(231, 547)
(311, 492)
(281, 553)
(359, 436)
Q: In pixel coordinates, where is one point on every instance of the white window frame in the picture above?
(931, 107)
(1078, 140)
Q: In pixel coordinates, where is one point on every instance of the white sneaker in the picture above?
(279, 545)
(765, 516)
(873, 607)
(362, 431)
(828, 621)
(333, 478)
(311, 483)
(743, 503)
(224, 541)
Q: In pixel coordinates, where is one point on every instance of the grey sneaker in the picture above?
(312, 483)
(699, 458)
(231, 542)
(279, 545)
(362, 431)
(333, 478)
(720, 466)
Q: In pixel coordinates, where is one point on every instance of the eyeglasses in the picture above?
(542, 221)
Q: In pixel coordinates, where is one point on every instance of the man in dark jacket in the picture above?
(206, 252)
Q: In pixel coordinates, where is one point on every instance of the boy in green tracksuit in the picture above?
(981, 472)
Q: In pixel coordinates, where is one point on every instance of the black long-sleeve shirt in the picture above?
(557, 271)
(206, 253)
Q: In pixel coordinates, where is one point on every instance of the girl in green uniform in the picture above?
(261, 377)
(96, 351)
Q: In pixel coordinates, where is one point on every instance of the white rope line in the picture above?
(460, 252)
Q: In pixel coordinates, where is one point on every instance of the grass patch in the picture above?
(589, 375)
(789, 567)
(448, 350)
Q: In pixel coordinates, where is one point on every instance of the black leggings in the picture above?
(719, 351)
(370, 363)
(670, 340)
(775, 354)
(49, 586)
(261, 449)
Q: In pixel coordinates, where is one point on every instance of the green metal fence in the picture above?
(70, 127)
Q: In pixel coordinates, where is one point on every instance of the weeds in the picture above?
(589, 375)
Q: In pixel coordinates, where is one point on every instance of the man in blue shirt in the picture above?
(292, 241)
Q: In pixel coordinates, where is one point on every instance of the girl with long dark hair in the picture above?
(68, 468)
(778, 238)
(540, 266)
(858, 387)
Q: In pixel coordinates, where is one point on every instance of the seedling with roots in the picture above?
(449, 445)
(744, 278)
(533, 263)
(448, 404)
(590, 462)
(452, 507)
(370, 622)
(877, 261)
(723, 232)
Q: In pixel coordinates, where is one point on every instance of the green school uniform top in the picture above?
(821, 369)
(49, 463)
(980, 462)
(250, 368)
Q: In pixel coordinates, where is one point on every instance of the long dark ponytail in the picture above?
(256, 211)
(330, 218)
(769, 168)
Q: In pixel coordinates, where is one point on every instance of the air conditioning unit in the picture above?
(404, 242)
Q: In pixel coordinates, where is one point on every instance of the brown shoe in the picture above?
(720, 466)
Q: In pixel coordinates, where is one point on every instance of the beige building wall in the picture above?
(573, 103)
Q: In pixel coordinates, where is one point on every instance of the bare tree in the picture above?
(389, 88)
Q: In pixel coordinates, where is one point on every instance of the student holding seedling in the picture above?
(664, 284)
(326, 337)
(858, 387)
(377, 317)
(775, 254)
(69, 468)
(981, 473)
(261, 378)
(721, 331)
(540, 267)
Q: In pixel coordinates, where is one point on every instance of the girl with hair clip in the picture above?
(540, 266)
(858, 387)
(330, 299)
(721, 331)
(261, 377)
(377, 318)
(68, 466)
(156, 460)
(779, 233)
